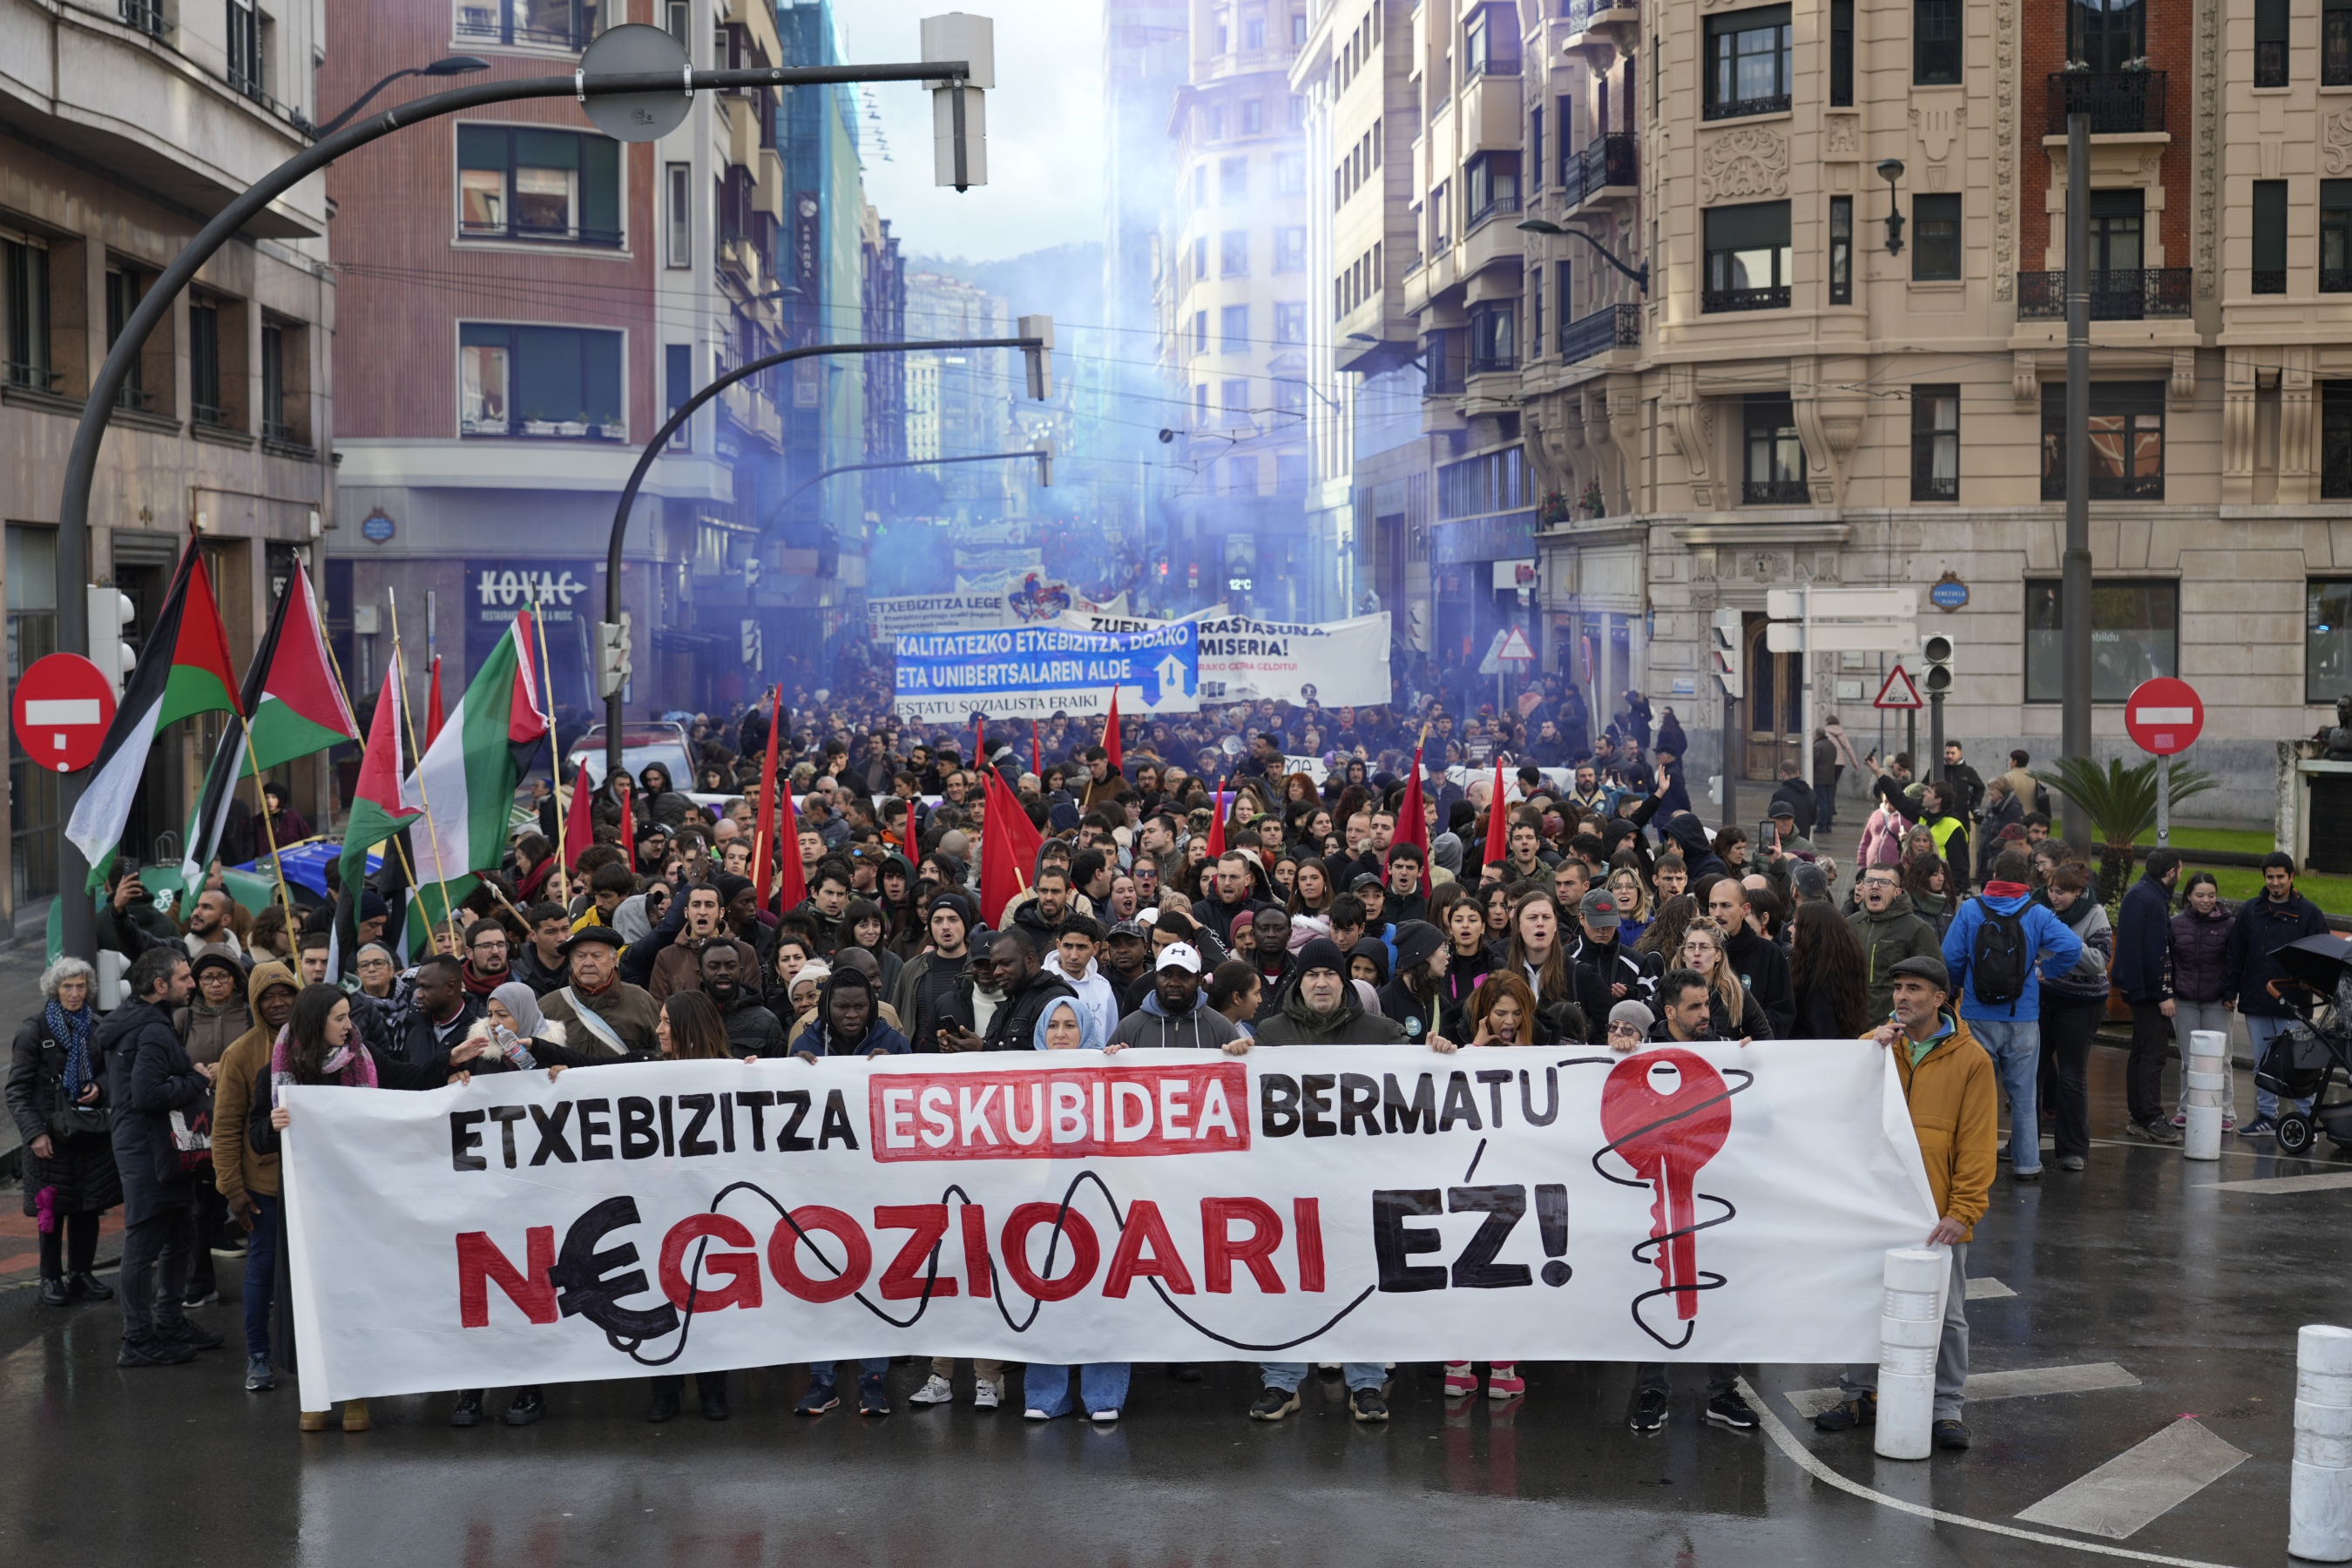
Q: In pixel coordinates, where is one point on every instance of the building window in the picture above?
(1201, 406)
(1290, 249)
(1935, 237)
(1253, 116)
(1490, 38)
(245, 72)
(1290, 323)
(553, 186)
(205, 364)
(549, 24)
(2127, 441)
(33, 809)
(678, 386)
(1233, 253)
(125, 286)
(1774, 472)
(1233, 179)
(2270, 43)
(1200, 257)
(2107, 35)
(2135, 637)
(2327, 639)
(1749, 262)
(1232, 328)
(1840, 251)
(147, 15)
(2336, 440)
(1535, 149)
(1199, 331)
(1841, 54)
(559, 382)
(1290, 174)
(1935, 443)
(285, 383)
(1299, 29)
(2336, 237)
(681, 216)
(1440, 231)
(1535, 314)
(1482, 485)
(1494, 337)
(2270, 236)
(2117, 225)
(1235, 397)
(1200, 184)
(25, 359)
(1748, 62)
(1936, 43)
(1254, 31)
(2336, 43)
(1492, 185)
(681, 20)
(1290, 398)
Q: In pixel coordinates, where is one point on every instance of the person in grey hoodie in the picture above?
(1175, 1013)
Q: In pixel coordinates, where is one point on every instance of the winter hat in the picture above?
(1415, 941)
(1322, 952)
(1633, 1013)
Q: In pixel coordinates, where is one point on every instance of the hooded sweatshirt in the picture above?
(1097, 993)
(1151, 1025)
(2049, 947)
(237, 1168)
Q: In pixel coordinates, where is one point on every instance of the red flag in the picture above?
(792, 877)
(1411, 824)
(580, 822)
(763, 831)
(629, 828)
(1009, 844)
(1111, 732)
(1037, 750)
(1498, 821)
(433, 714)
(525, 721)
(1217, 820)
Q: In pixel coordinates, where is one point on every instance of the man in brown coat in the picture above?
(599, 1010)
(248, 1180)
(678, 966)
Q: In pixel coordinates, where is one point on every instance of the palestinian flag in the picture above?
(294, 704)
(379, 809)
(465, 783)
(184, 670)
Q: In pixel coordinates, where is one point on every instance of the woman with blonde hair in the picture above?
(1737, 1015)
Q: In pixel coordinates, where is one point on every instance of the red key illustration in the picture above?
(1646, 1109)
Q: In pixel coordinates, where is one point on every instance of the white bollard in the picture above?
(1910, 1328)
(2319, 1505)
(2207, 1071)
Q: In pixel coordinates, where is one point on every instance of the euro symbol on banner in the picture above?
(586, 1286)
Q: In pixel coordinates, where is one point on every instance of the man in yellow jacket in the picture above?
(1955, 1099)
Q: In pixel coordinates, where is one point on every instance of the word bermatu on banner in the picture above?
(1031, 672)
(1339, 664)
(1299, 1203)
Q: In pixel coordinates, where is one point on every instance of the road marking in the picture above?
(1985, 1288)
(2283, 1183)
(1814, 1465)
(2027, 1383)
(2141, 1484)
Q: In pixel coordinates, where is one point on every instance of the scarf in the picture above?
(2007, 891)
(352, 1067)
(72, 1031)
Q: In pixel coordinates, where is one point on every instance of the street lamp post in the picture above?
(1640, 275)
(449, 65)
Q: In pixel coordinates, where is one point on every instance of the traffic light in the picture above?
(1044, 455)
(111, 614)
(1041, 358)
(959, 109)
(1724, 654)
(1936, 654)
(613, 665)
(750, 631)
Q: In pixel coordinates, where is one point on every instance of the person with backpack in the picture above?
(1998, 944)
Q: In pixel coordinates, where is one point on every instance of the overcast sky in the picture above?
(1045, 128)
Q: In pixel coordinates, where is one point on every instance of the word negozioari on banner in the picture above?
(1308, 1203)
(1035, 671)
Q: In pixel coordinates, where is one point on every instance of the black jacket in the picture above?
(1418, 1018)
(1600, 970)
(79, 1172)
(542, 980)
(149, 1077)
(1013, 1027)
(1294, 1024)
(751, 1029)
(420, 1041)
(1765, 968)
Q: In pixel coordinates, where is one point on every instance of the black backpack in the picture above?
(2002, 959)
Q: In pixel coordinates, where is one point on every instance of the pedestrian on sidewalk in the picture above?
(246, 1178)
(2264, 925)
(2197, 949)
(2073, 1004)
(60, 1104)
(1995, 952)
(2141, 947)
(155, 1089)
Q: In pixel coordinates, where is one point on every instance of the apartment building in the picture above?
(125, 126)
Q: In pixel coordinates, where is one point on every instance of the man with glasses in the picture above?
(1891, 930)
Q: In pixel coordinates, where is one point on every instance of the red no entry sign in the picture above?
(2164, 716)
(63, 704)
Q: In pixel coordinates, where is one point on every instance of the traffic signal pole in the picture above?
(2075, 584)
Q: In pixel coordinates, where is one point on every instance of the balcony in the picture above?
(2118, 296)
(548, 24)
(1737, 107)
(2119, 103)
(1607, 167)
(146, 16)
(1714, 301)
(1775, 492)
(1609, 326)
(1494, 361)
(1495, 206)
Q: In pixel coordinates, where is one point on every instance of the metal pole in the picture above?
(77, 917)
(1730, 759)
(2075, 588)
(1936, 736)
(2164, 805)
(1911, 737)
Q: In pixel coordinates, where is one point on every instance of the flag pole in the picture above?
(270, 829)
(408, 717)
(554, 743)
(335, 666)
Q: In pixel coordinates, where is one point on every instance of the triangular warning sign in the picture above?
(1515, 646)
(1899, 690)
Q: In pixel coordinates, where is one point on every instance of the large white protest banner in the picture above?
(1339, 664)
(1712, 1202)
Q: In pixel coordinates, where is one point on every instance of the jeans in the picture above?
(1287, 1375)
(1102, 1385)
(209, 1215)
(2188, 1018)
(2015, 1047)
(71, 1247)
(1650, 1377)
(260, 1273)
(2260, 1032)
(2143, 1074)
(823, 1371)
(155, 1255)
(2065, 1080)
(1951, 1352)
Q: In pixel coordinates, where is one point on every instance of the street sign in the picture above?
(1840, 637)
(1899, 690)
(1818, 604)
(63, 705)
(1515, 649)
(2164, 716)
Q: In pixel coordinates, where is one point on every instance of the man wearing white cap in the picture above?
(1175, 1013)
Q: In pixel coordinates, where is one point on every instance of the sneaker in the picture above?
(663, 1405)
(1105, 1417)
(2260, 1127)
(355, 1416)
(1034, 1414)
(873, 1398)
(467, 1412)
(821, 1397)
(1649, 1414)
(1274, 1403)
(1184, 1371)
(260, 1377)
(54, 1293)
(527, 1406)
(987, 1394)
(1461, 1383)
(2229, 1123)
(1846, 1417)
(1503, 1382)
(1953, 1435)
(193, 1335)
(2072, 1163)
(2180, 1119)
(209, 1299)
(2032, 1175)
(938, 1391)
(2151, 1133)
(1367, 1405)
(1727, 1409)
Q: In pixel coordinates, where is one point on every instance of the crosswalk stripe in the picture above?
(2026, 1383)
(2141, 1484)
(1985, 1288)
(2285, 1183)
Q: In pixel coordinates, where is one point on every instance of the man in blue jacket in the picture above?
(2264, 925)
(2141, 940)
(1995, 950)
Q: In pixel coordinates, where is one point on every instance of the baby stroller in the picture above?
(2305, 1061)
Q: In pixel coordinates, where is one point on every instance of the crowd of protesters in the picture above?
(1208, 890)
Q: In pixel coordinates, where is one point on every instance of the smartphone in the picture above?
(1766, 838)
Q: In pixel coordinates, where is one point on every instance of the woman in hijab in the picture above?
(1102, 1385)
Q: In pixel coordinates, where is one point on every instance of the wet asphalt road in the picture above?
(2138, 1265)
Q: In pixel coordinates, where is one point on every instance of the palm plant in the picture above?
(2121, 804)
